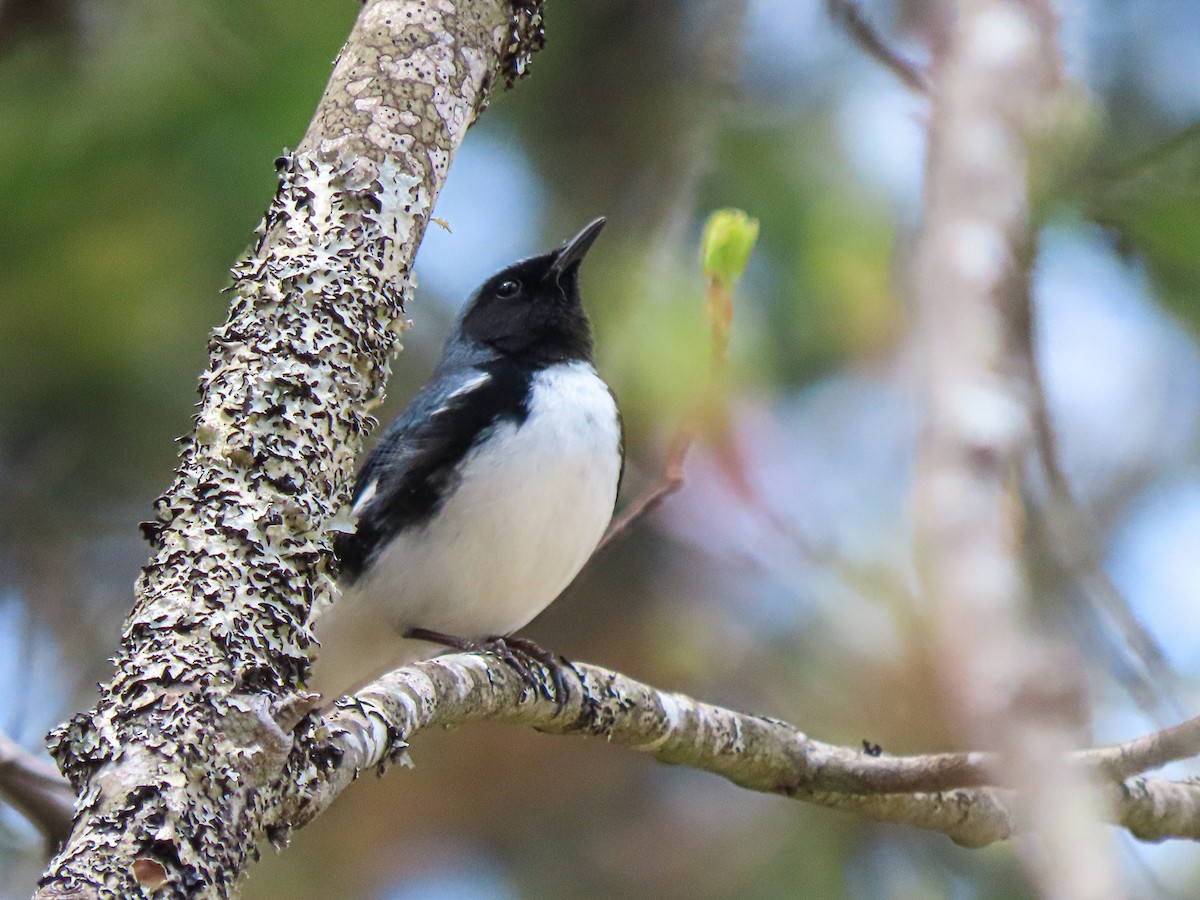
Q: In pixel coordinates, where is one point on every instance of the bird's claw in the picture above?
(554, 664)
(517, 652)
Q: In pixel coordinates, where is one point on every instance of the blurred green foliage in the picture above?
(1138, 177)
(135, 161)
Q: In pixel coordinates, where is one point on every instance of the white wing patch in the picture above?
(465, 388)
(470, 384)
(364, 499)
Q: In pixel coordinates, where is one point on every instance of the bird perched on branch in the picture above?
(487, 495)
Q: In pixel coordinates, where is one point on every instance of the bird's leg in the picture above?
(468, 645)
(517, 652)
(496, 646)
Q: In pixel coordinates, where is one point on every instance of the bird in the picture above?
(490, 491)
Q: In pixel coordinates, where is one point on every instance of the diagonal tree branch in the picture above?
(181, 765)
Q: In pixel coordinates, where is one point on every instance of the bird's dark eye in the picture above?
(508, 289)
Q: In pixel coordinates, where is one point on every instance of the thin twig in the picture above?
(1152, 751)
(653, 496)
(1074, 544)
(1150, 681)
(847, 14)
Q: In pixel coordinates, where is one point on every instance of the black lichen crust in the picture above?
(526, 36)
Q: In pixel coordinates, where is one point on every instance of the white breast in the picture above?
(533, 502)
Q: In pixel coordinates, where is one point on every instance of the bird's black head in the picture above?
(532, 310)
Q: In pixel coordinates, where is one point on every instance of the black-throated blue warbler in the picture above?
(486, 496)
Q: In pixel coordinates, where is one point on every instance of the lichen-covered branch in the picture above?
(963, 795)
(966, 796)
(180, 765)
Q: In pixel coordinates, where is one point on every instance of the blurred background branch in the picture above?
(36, 790)
(1006, 686)
(849, 15)
(1070, 536)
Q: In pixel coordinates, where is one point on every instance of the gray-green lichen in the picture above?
(184, 763)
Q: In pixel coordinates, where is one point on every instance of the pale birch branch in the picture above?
(995, 85)
(181, 765)
(963, 795)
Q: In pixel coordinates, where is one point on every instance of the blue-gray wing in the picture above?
(414, 467)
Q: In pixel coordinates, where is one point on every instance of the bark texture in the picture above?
(183, 765)
(967, 796)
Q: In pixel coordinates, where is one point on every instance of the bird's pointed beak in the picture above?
(574, 250)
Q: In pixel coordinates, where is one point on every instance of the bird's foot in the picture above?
(517, 652)
(554, 664)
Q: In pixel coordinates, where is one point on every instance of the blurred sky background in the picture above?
(136, 149)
